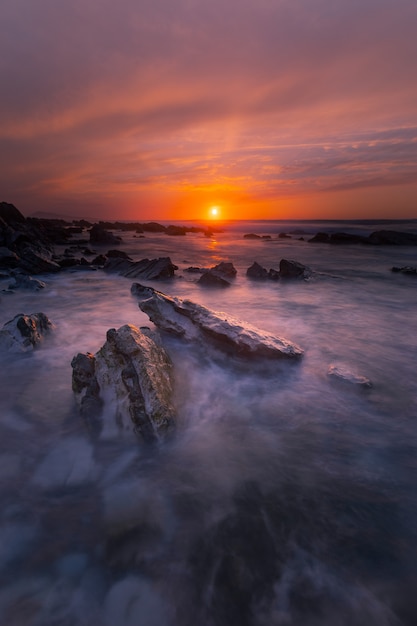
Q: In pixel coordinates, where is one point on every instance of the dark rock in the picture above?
(211, 279)
(274, 274)
(195, 270)
(320, 238)
(10, 215)
(148, 269)
(68, 262)
(392, 238)
(99, 260)
(24, 332)
(134, 372)
(293, 269)
(266, 237)
(225, 269)
(197, 323)
(8, 258)
(257, 272)
(251, 236)
(410, 271)
(346, 238)
(117, 254)
(22, 281)
(37, 262)
(88, 251)
(284, 236)
(176, 231)
(101, 236)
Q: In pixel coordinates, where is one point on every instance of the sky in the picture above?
(162, 109)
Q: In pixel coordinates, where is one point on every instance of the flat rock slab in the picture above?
(24, 332)
(343, 374)
(134, 373)
(195, 322)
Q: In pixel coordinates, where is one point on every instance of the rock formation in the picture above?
(343, 374)
(287, 269)
(218, 276)
(195, 322)
(24, 332)
(134, 372)
(147, 269)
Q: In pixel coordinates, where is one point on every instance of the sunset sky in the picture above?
(161, 109)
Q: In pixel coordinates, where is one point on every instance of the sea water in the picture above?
(283, 498)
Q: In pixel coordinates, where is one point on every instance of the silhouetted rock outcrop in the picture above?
(410, 271)
(257, 272)
(218, 276)
(287, 269)
(100, 236)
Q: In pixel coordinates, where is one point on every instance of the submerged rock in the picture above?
(343, 374)
(22, 281)
(410, 271)
(195, 322)
(135, 372)
(24, 332)
(257, 272)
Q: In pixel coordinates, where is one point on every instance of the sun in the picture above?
(214, 212)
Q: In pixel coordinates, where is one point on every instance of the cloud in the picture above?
(101, 98)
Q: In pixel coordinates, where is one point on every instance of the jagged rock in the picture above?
(273, 274)
(284, 236)
(251, 236)
(257, 272)
(195, 322)
(293, 269)
(99, 235)
(148, 269)
(24, 332)
(410, 271)
(135, 372)
(225, 269)
(37, 262)
(218, 276)
(176, 231)
(22, 281)
(343, 374)
(210, 279)
(68, 262)
(320, 238)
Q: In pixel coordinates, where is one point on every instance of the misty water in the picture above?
(282, 499)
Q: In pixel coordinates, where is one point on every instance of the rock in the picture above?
(410, 271)
(8, 258)
(251, 236)
(320, 238)
(195, 322)
(195, 270)
(257, 272)
(293, 269)
(68, 262)
(37, 262)
(135, 372)
(284, 236)
(342, 374)
(176, 231)
(218, 276)
(225, 269)
(148, 269)
(24, 332)
(99, 260)
(10, 214)
(117, 254)
(392, 238)
(273, 274)
(22, 281)
(99, 235)
(210, 279)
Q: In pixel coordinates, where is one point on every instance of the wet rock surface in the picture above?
(220, 275)
(288, 269)
(147, 269)
(134, 373)
(342, 374)
(24, 332)
(195, 322)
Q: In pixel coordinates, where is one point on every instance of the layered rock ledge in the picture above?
(195, 322)
(132, 372)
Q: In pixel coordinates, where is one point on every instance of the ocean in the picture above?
(282, 499)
